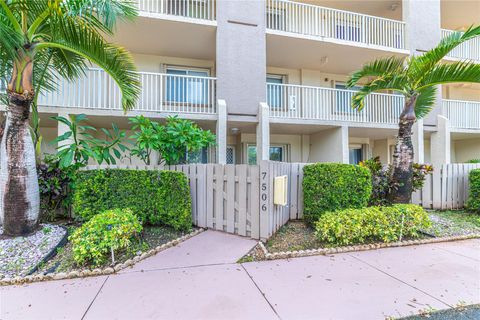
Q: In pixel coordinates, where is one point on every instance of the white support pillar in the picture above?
(440, 142)
(440, 154)
(263, 133)
(418, 143)
(330, 145)
(221, 132)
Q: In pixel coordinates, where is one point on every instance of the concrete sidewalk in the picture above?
(199, 279)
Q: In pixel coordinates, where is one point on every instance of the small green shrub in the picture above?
(473, 203)
(156, 197)
(334, 186)
(387, 224)
(93, 241)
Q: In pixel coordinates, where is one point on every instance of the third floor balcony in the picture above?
(195, 10)
(328, 24)
(469, 50)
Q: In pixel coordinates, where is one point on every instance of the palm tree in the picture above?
(50, 40)
(416, 78)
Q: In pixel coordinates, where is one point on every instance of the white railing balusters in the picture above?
(318, 103)
(159, 93)
(462, 114)
(195, 9)
(301, 18)
(467, 50)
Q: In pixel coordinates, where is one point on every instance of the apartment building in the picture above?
(268, 77)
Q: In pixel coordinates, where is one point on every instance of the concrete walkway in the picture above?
(199, 279)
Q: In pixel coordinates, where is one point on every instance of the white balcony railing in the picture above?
(311, 20)
(468, 50)
(316, 103)
(160, 93)
(195, 9)
(462, 114)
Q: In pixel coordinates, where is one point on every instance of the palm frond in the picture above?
(71, 35)
(377, 68)
(391, 82)
(422, 64)
(463, 71)
(425, 101)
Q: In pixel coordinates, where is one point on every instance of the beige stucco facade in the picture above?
(244, 43)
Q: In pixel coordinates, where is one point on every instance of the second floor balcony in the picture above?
(161, 93)
(297, 102)
(463, 115)
(326, 23)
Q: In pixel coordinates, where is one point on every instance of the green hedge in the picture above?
(156, 197)
(94, 240)
(334, 186)
(355, 226)
(473, 203)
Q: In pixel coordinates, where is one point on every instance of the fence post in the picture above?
(265, 212)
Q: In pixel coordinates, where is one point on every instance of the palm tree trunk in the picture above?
(20, 199)
(403, 156)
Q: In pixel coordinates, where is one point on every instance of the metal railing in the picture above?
(160, 93)
(317, 103)
(195, 9)
(462, 114)
(311, 20)
(468, 50)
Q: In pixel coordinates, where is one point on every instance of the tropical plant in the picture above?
(416, 78)
(77, 145)
(173, 141)
(51, 39)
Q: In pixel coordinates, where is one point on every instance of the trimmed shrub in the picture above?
(473, 203)
(387, 224)
(94, 240)
(156, 197)
(334, 186)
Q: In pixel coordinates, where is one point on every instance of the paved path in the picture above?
(199, 279)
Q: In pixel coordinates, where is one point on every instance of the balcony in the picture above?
(331, 24)
(161, 93)
(190, 9)
(326, 104)
(468, 50)
(463, 115)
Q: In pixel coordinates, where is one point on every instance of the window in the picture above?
(274, 91)
(191, 8)
(230, 154)
(344, 98)
(183, 87)
(199, 156)
(277, 153)
(355, 155)
(276, 19)
(347, 30)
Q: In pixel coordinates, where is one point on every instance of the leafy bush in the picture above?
(55, 184)
(112, 229)
(473, 203)
(387, 224)
(473, 161)
(381, 179)
(157, 197)
(173, 140)
(334, 186)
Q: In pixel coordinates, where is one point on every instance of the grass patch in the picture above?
(152, 236)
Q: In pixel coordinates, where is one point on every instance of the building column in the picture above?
(418, 143)
(440, 143)
(330, 145)
(263, 133)
(221, 132)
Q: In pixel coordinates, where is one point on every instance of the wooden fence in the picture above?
(238, 199)
(446, 188)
